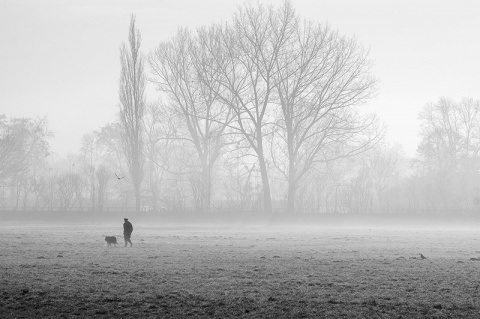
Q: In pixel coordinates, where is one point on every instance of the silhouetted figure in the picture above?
(127, 231)
(119, 178)
(422, 257)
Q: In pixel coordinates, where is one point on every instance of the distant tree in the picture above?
(325, 188)
(387, 166)
(247, 52)
(289, 85)
(93, 154)
(24, 150)
(160, 136)
(45, 191)
(109, 141)
(23, 141)
(450, 136)
(69, 190)
(132, 107)
(89, 156)
(321, 78)
(449, 149)
(378, 179)
(104, 176)
(186, 72)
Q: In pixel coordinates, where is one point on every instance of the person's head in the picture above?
(125, 219)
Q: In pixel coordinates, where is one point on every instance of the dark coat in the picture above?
(127, 228)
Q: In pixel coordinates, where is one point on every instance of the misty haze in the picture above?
(223, 159)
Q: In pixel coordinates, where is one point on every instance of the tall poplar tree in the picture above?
(132, 106)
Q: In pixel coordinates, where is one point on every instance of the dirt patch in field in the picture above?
(173, 272)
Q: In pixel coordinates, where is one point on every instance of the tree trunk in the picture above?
(205, 187)
(291, 175)
(93, 192)
(137, 179)
(291, 191)
(267, 199)
(137, 198)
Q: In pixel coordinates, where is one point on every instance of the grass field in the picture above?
(244, 271)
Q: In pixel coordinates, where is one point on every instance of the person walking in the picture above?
(127, 231)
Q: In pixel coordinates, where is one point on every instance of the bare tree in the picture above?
(23, 153)
(23, 142)
(160, 131)
(109, 141)
(93, 154)
(321, 78)
(376, 185)
(187, 74)
(68, 191)
(450, 134)
(385, 164)
(132, 107)
(449, 148)
(104, 176)
(89, 155)
(323, 190)
(246, 53)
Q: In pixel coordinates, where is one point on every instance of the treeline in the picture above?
(260, 114)
(443, 177)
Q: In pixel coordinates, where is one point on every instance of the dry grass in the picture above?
(174, 272)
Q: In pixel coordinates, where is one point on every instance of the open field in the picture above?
(245, 271)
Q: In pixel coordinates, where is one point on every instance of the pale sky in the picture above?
(60, 59)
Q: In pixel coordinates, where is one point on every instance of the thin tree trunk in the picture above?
(267, 199)
(291, 188)
(137, 197)
(205, 187)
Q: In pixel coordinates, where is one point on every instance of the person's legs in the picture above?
(127, 240)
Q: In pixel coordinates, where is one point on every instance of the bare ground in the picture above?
(249, 272)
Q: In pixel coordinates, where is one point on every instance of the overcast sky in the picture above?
(60, 59)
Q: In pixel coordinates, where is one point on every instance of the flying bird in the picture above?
(119, 178)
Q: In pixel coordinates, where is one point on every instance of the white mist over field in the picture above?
(275, 158)
(179, 271)
(275, 107)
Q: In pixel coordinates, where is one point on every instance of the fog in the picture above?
(273, 117)
(275, 159)
(178, 271)
(212, 119)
